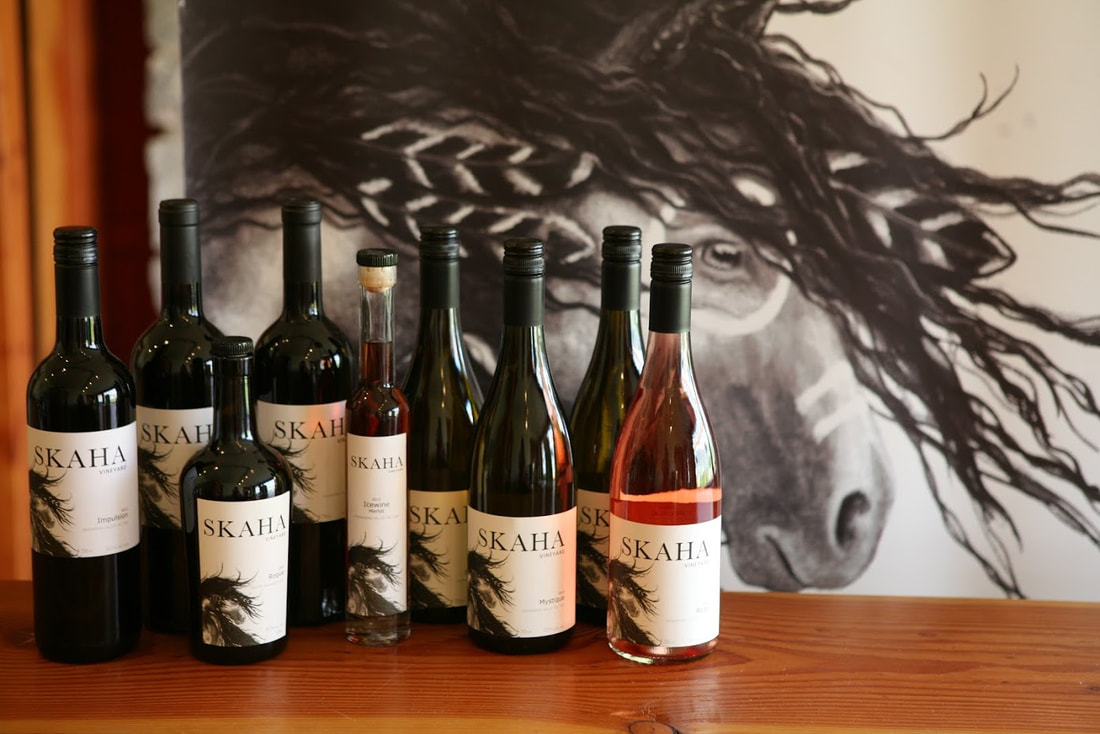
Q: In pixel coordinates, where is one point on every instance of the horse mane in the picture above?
(670, 120)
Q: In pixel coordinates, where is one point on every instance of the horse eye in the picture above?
(725, 255)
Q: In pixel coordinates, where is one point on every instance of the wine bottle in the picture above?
(604, 393)
(174, 382)
(444, 400)
(82, 460)
(235, 499)
(378, 425)
(522, 517)
(303, 380)
(666, 497)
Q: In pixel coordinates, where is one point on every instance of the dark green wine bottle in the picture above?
(605, 392)
(174, 382)
(522, 531)
(444, 400)
(235, 497)
(85, 524)
(303, 380)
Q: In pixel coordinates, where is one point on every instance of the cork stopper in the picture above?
(377, 269)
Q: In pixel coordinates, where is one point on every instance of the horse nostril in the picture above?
(852, 508)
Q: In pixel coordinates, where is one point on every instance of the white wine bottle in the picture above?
(522, 518)
(604, 394)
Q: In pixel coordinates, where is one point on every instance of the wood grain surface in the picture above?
(785, 663)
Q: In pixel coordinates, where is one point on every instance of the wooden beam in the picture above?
(48, 177)
(64, 133)
(16, 298)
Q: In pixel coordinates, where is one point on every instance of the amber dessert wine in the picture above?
(377, 605)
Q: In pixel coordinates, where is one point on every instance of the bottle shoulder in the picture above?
(304, 333)
(87, 372)
(234, 470)
(303, 362)
(174, 342)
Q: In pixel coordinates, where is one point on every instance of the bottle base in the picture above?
(218, 655)
(376, 631)
(439, 615)
(520, 645)
(86, 654)
(658, 655)
(592, 615)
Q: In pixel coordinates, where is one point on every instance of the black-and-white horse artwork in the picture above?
(846, 274)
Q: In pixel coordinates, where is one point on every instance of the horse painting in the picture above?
(630, 608)
(489, 596)
(156, 488)
(370, 575)
(844, 270)
(226, 609)
(48, 511)
(426, 569)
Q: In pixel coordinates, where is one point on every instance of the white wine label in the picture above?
(437, 548)
(592, 533)
(244, 550)
(313, 441)
(378, 526)
(522, 574)
(665, 583)
(167, 439)
(84, 491)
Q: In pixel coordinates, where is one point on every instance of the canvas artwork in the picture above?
(892, 207)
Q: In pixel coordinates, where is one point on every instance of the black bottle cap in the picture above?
(302, 211)
(75, 246)
(523, 257)
(671, 263)
(178, 213)
(376, 257)
(438, 242)
(232, 347)
(622, 243)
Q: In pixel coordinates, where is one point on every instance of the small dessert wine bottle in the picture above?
(444, 400)
(605, 391)
(174, 379)
(303, 380)
(82, 441)
(522, 531)
(378, 425)
(663, 576)
(235, 499)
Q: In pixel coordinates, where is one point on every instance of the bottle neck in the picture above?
(78, 312)
(233, 407)
(619, 337)
(302, 300)
(438, 285)
(376, 320)
(302, 271)
(620, 286)
(669, 307)
(180, 272)
(523, 340)
(668, 349)
(181, 299)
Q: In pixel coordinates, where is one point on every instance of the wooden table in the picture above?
(785, 663)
